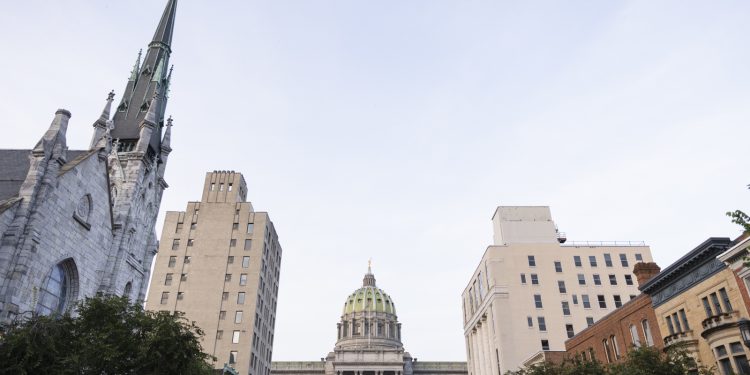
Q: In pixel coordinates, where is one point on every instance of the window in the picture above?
(228, 277)
(241, 298)
(213, 186)
(634, 338)
(168, 279)
(164, 297)
(577, 260)
(534, 279)
(235, 226)
(676, 322)
(624, 260)
(592, 260)
(725, 364)
(221, 187)
(725, 298)
(238, 316)
(250, 227)
(707, 307)
(613, 339)
(538, 301)
(585, 300)
(172, 262)
(219, 334)
(523, 278)
(684, 319)
(638, 257)
(597, 279)
(233, 242)
(581, 279)
(612, 280)
(532, 261)
(232, 357)
(590, 321)
(193, 226)
(618, 300)
(541, 323)
(229, 187)
(670, 327)
(191, 242)
(647, 332)
(178, 228)
(529, 321)
(565, 308)
(225, 296)
(248, 244)
(230, 259)
(561, 286)
(222, 315)
(629, 279)
(607, 260)
(602, 302)
(716, 304)
(607, 352)
(243, 279)
(569, 330)
(180, 296)
(632, 296)
(183, 277)
(545, 345)
(575, 299)
(235, 337)
(245, 262)
(175, 244)
(558, 266)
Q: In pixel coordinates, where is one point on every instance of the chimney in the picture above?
(645, 271)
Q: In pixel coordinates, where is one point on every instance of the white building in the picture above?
(532, 291)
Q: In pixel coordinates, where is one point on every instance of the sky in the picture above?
(392, 129)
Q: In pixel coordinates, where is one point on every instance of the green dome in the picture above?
(369, 298)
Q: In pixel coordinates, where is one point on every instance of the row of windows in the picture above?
(224, 297)
(581, 280)
(677, 322)
(714, 308)
(221, 186)
(601, 300)
(736, 354)
(635, 338)
(592, 261)
(235, 336)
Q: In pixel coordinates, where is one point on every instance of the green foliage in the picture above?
(108, 336)
(639, 361)
(740, 218)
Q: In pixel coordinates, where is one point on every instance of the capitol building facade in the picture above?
(368, 342)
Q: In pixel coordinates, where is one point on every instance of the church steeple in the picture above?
(146, 88)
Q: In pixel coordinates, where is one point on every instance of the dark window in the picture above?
(187, 260)
(597, 279)
(532, 261)
(638, 257)
(612, 280)
(222, 315)
(565, 308)
(523, 278)
(577, 260)
(707, 307)
(164, 298)
(618, 300)
(545, 345)
(608, 260)
(178, 228)
(670, 327)
(581, 279)
(592, 260)
(624, 260)
(230, 259)
(191, 242)
(228, 277)
(175, 244)
(590, 321)
(248, 244)
(233, 242)
(529, 321)
(183, 277)
(225, 296)
(180, 296)
(717, 305)
(172, 261)
(558, 266)
(725, 298)
(684, 319)
(575, 299)
(569, 330)
(538, 301)
(629, 279)
(585, 301)
(541, 323)
(602, 301)
(193, 225)
(561, 286)
(534, 279)
(168, 279)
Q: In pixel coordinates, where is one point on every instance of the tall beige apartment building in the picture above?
(533, 290)
(218, 263)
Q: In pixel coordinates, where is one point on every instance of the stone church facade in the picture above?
(74, 223)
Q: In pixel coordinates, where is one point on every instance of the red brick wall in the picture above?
(617, 323)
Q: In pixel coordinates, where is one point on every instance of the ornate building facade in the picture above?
(77, 222)
(368, 342)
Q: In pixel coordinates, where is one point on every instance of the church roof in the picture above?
(14, 166)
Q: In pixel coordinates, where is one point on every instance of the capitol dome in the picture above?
(369, 318)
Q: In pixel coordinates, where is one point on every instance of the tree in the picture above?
(109, 335)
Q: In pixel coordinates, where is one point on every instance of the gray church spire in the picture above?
(148, 81)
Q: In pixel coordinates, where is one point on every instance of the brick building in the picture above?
(632, 325)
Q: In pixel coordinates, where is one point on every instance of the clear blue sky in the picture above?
(391, 129)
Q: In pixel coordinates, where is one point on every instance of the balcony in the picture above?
(719, 322)
(683, 338)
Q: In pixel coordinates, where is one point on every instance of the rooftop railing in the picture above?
(604, 243)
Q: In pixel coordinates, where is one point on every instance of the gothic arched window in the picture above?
(128, 288)
(58, 289)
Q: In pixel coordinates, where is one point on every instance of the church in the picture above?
(74, 223)
(368, 342)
